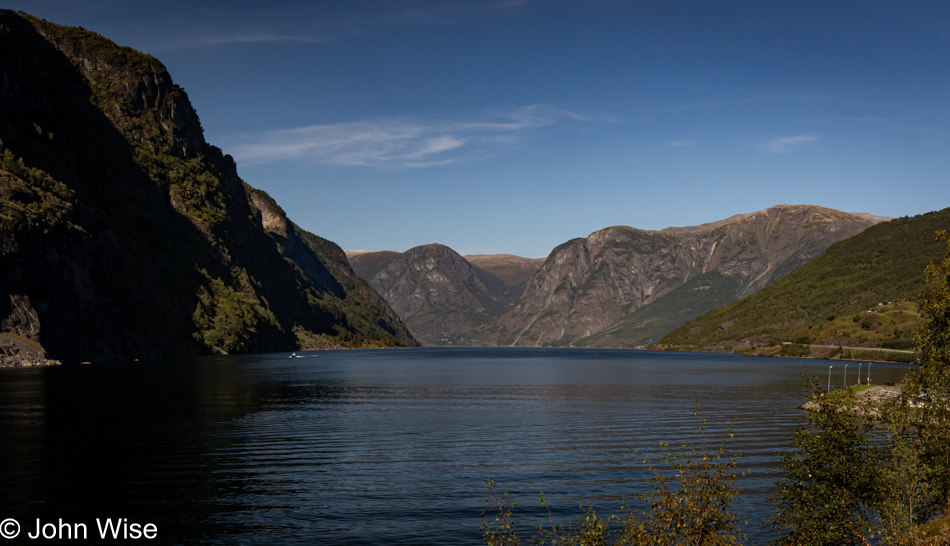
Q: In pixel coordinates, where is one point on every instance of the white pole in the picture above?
(844, 384)
(829, 378)
(859, 372)
(869, 374)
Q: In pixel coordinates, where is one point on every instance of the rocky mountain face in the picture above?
(123, 234)
(587, 286)
(435, 291)
(619, 287)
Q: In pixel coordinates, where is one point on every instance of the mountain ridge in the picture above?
(511, 269)
(737, 217)
(590, 284)
(588, 290)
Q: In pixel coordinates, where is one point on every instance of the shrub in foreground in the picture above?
(690, 504)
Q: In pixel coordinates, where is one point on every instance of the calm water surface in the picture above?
(373, 447)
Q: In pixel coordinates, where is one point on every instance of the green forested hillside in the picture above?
(885, 263)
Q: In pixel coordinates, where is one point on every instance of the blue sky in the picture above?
(511, 126)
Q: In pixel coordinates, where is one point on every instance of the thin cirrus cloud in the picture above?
(259, 38)
(312, 24)
(787, 144)
(234, 39)
(398, 143)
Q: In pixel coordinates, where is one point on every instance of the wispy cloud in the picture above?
(257, 38)
(867, 119)
(787, 144)
(442, 13)
(398, 143)
(204, 39)
(509, 4)
(316, 23)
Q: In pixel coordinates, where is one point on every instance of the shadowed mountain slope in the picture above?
(125, 235)
(435, 291)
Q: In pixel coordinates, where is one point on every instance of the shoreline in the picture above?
(812, 352)
(20, 352)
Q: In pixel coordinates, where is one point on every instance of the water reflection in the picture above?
(364, 447)
(134, 441)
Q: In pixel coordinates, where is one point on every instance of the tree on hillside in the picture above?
(926, 391)
(852, 480)
(933, 337)
(830, 492)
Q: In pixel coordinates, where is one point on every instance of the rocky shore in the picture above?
(869, 399)
(15, 352)
(878, 395)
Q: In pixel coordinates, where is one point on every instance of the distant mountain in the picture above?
(619, 287)
(434, 290)
(124, 234)
(512, 270)
(827, 301)
(589, 291)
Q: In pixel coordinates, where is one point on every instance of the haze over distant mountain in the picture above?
(620, 286)
(124, 234)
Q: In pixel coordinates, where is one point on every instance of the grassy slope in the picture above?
(890, 326)
(882, 264)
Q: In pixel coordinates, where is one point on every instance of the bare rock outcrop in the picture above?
(20, 352)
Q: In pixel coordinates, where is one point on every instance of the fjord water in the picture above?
(371, 447)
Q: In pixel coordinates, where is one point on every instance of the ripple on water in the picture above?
(369, 447)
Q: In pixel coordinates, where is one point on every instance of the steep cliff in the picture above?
(123, 234)
(364, 310)
(435, 291)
